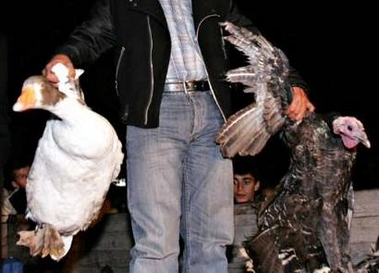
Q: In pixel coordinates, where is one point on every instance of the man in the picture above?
(174, 98)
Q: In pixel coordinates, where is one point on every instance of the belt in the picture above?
(187, 86)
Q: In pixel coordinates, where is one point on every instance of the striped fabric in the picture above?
(186, 62)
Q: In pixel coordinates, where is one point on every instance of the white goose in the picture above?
(78, 156)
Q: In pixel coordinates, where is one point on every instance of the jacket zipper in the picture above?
(151, 70)
(118, 69)
(206, 69)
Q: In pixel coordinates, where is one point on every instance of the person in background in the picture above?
(19, 177)
(14, 201)
(7, 210)
(245, 182)
(247, 198)
(174, 98)
(13, 204)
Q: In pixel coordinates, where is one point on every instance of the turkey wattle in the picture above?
(77, 158)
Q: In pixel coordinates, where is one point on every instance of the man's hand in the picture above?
(300, 105)
(60, 58)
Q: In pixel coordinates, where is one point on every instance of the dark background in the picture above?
(334, 49)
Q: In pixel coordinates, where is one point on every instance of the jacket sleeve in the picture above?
(295, 79)
(92, 37)
(237, 18)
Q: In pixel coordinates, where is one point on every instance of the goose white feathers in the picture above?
(77, 158)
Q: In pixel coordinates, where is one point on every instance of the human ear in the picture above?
(257, 185)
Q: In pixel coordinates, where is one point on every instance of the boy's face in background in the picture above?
(20, 176)
(245, 186)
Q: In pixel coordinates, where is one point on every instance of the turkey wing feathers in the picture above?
(266, 76)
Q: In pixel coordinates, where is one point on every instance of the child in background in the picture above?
(245, 183)
(247, 197)
(19, 177)
(13, 204)
(14, 197)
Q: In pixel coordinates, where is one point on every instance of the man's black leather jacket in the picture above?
(139, 32)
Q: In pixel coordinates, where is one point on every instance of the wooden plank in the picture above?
(365, 223)
(366, 203)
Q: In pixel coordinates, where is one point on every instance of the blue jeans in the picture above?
(179, 184)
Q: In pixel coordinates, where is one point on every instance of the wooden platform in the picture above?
(365, 225)
(110, 241)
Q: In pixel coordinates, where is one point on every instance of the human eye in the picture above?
(247, 181)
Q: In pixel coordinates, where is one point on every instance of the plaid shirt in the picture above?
(186, 62)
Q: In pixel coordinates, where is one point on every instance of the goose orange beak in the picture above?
(26, 100)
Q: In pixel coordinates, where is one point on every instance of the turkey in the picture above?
(77, 158)
(308, 222)
(305, 227)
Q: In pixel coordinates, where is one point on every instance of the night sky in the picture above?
(334, 49)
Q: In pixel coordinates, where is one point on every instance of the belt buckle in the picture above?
(190, 85)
